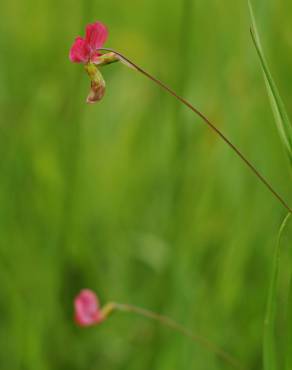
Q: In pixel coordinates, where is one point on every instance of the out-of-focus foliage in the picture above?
(270, 361)
(134, 197)
(281, 117)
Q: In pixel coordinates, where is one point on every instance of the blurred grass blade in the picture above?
(278, 107)
(269, 353)
(289, 329)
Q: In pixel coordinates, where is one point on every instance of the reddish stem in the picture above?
(167, 321)
(208, 122)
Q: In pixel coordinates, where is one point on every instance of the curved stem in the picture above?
(165, 320)
(208, 122)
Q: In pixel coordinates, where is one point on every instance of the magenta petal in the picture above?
(96, 35)
(79, 52)
(87, 310)
(94, 57)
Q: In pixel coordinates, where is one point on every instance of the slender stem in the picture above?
(165, 320)
(208, 122)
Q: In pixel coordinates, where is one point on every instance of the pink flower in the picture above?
(87, 309)
(85, 50)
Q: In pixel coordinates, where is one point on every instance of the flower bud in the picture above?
(88, 311)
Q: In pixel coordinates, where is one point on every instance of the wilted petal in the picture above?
(79, 52)
(97, 83)
(96, 35)
(96, 93)
(87, 310)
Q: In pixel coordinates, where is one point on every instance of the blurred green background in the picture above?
(134, 197)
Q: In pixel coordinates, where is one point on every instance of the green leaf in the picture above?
(269, 353)
(281, 117)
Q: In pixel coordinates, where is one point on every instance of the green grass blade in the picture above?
(289, 330)
(278, 107)
(269, 353)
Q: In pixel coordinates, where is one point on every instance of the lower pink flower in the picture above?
(87, 309)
